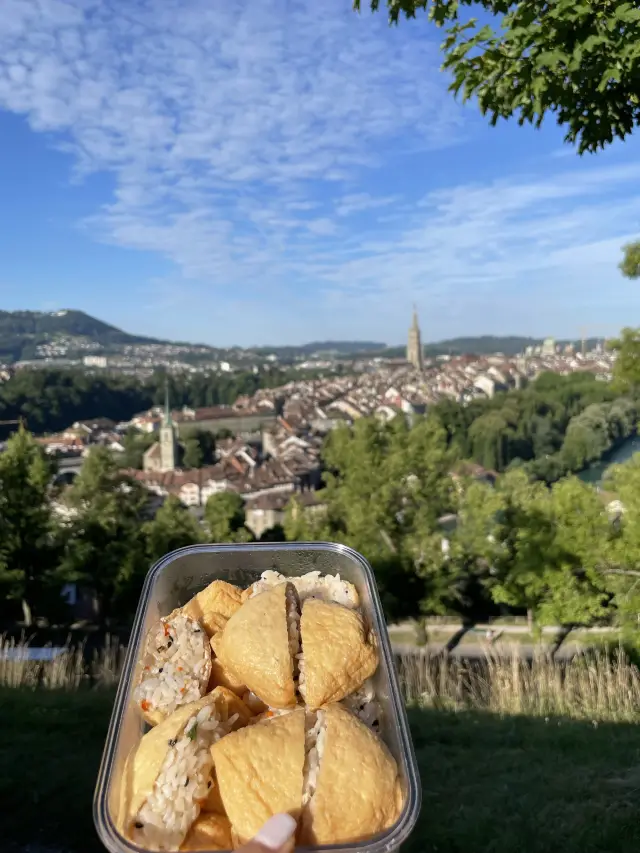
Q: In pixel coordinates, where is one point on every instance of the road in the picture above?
(482, 627)
(475, 651)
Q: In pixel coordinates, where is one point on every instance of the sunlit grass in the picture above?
(594, 685)
(69, 669)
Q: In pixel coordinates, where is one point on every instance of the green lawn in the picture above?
(490, 785)
(50, 748)
(520, 785)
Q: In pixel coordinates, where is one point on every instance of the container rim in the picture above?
(386, 842)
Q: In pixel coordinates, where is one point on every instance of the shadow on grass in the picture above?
(490, 784)
(50, 748)
(496, 785)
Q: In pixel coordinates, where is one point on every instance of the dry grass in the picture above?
(596, 685)
(593, 686)
(68, 670)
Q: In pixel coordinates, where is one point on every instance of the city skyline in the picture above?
(287, 174)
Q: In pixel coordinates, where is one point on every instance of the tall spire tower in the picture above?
(167, 435)
(414, 343)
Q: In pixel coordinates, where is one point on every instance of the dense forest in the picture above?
(555, 426)
(50, 400)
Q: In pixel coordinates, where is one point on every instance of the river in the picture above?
(623, 453)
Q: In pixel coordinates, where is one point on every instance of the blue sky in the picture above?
(283, 171)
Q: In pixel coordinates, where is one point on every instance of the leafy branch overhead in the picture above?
(579, 61)
(630, 264)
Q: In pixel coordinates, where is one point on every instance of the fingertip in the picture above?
(276, 832)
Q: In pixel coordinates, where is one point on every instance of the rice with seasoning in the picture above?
(182, 784)
(363, 704)
(176, 666)
(312, 585)
(315, 735)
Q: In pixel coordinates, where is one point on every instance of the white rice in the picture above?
(315, 736)
(312, 585)
(182, 784)
(175, 666)
(363, 704)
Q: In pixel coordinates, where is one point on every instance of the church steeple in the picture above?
(415, 325)
(167, 435)
(167, 408)
(414, 343)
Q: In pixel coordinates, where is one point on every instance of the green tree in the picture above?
(521, 540)
(626, 369)
(620, 561)
(207, 443)
(587, 437)
(135, 445)
(576, 587)
(27, 553)
(489, 437)
(193, 455)
(536, 548)
(104, 544)
(576, 61)
(173, 527)
(630, 264)
(224, 518)
(386, 487)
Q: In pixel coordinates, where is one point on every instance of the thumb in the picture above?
(276, 836)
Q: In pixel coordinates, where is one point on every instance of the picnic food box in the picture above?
(177, 704)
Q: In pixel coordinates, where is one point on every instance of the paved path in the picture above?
(479, 651)
(482, 627)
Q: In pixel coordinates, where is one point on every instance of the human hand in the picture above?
(276, 836)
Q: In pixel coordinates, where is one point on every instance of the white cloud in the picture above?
(208, 113)
(357, 202)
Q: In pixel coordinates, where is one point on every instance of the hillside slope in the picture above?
(22, 332)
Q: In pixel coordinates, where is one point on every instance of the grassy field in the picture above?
(491, 783)
(50, 748)
(494, 784)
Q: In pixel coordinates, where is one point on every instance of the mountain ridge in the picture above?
(26, 335)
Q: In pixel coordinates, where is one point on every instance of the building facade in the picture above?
(414, 344)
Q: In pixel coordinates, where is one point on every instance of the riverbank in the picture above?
(596, 472)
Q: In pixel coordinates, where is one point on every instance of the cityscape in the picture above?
(276, 435)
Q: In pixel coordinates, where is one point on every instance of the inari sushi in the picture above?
(259, 770)
(167, 775)
(175, 668)
(213, 606)
(351, 784)
(339, 652)
(260, 643)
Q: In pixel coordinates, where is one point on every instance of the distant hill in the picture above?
(26, 335)
(482, 345)
(22, 332)
(320, 348)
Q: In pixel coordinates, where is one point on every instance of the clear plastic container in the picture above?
(171, 583)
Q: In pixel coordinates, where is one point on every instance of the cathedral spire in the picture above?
(414, 343)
